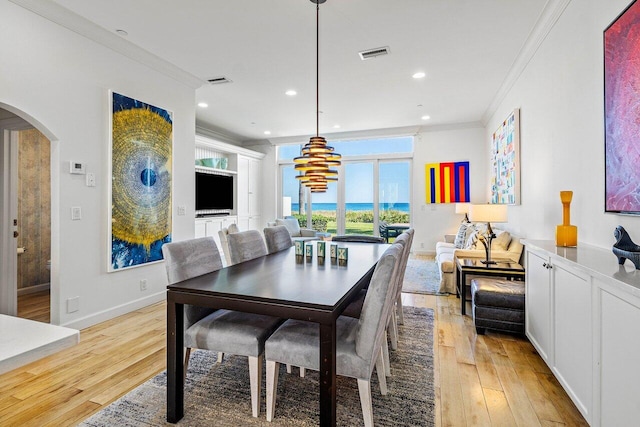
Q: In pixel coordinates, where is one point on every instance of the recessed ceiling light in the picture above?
(122, 32)
(419, 75)
(336, 126)
(425, 117)
(291, 92)
(203, 104)
(267, 132)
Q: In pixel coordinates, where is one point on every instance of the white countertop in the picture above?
(596, 261)
(23, 341)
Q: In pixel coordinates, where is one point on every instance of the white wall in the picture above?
(62, 80)
(432, 221)
(560, 96)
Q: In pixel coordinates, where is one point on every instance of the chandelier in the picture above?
(317, 158)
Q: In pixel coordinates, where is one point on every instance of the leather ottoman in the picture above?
(498, 304)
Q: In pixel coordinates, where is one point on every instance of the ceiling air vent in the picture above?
(219, 80)
(372, 53)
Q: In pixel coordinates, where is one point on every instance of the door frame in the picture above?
(9, 128)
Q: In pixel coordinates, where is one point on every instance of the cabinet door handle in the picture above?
(544, 264)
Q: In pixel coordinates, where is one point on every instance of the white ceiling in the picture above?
(466, 48)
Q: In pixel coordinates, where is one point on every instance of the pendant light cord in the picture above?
(317, 69)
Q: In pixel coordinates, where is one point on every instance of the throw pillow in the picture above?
(463, 234)
(501, 242)
(472, 240)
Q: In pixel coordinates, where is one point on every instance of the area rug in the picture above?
(218, 394)
(421, 276)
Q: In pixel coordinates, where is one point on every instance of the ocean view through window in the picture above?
(373, 188)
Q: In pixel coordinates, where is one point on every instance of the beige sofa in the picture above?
(446, 252)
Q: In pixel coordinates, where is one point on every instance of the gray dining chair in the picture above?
(224, 331)
(277, 238)
(358, 343)
(411, 233)
(392, 325)
(245, 246)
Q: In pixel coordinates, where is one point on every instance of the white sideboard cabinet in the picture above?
(583, 318)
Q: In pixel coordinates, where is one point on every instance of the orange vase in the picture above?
(566, 234)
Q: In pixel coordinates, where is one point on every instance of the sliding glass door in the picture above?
(358, 203)
(373, 185)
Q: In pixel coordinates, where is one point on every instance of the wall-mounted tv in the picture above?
(214, 192)
(622, 116)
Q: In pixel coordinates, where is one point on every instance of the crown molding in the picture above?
(218, 134)
(82, 26)
(547, 20)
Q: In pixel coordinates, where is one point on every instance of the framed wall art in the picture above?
(622, 112)
(447, 182)
(140, 190)
(505, 161)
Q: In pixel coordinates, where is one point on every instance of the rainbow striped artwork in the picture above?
(447, 182)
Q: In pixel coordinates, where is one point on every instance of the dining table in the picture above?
(281, 284)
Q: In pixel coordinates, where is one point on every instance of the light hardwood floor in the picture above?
(35, 306)
(487, 380)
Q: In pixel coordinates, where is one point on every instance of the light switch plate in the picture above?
(91, 179)
(182, 210)
(76, 213)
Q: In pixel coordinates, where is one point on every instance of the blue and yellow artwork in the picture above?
(141, 159)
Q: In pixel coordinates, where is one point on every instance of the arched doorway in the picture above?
(28, 285)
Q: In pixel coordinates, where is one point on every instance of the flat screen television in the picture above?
(214, 191)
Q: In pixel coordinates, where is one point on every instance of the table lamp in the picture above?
(488, 213)
(463, 208)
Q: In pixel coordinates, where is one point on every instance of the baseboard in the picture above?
(119, 310)
(34, 289)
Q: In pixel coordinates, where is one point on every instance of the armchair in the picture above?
(294, 228)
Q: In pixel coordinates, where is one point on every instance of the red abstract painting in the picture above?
(622, 112)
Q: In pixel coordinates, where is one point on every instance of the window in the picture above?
(374, 184)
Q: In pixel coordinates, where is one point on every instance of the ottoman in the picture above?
(497, 304)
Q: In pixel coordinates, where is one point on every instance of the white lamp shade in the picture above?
(462, 208)
(488, 213)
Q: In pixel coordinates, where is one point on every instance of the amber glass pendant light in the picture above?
(317, 158)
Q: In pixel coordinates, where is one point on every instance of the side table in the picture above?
(474, 266)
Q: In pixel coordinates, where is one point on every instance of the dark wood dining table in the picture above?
(281, 285)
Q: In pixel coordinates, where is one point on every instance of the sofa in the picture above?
(466, 244)
(294, 229)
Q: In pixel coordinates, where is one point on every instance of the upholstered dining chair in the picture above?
(392, 326)
(277, 238)
(222, 234)
(410, 232)
(391, 331)
(359, 238)
(245, 246)
(224, 331)
(358, 340)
